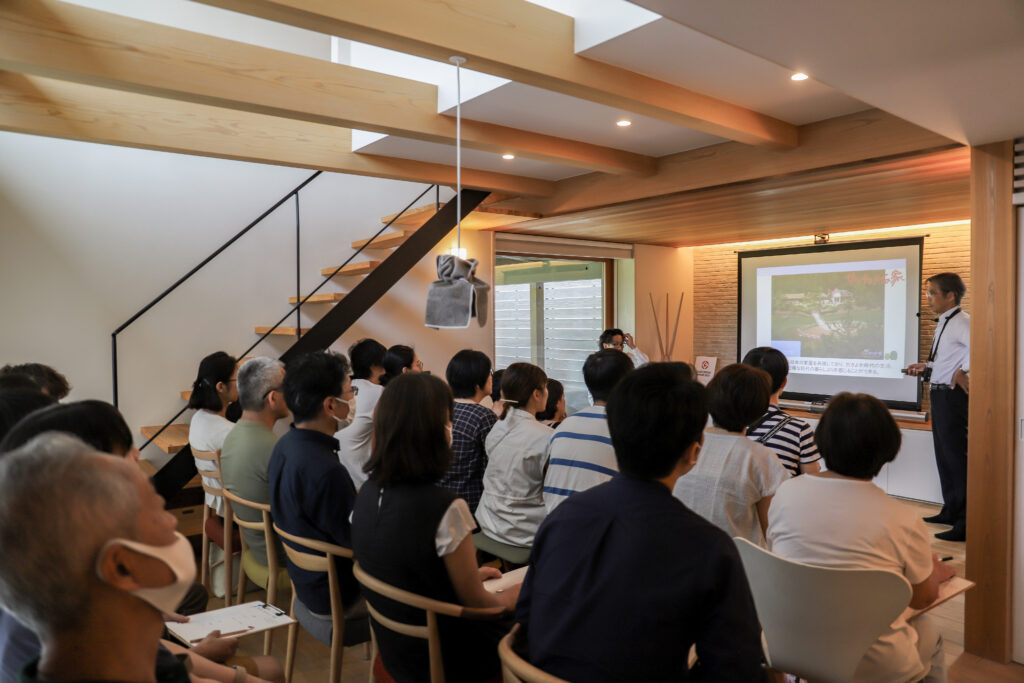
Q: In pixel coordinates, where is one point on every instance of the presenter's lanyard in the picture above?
(935, 346)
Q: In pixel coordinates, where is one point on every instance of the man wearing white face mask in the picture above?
(112, 567)
(311, 492)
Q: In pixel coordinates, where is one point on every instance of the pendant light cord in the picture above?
(458, 62)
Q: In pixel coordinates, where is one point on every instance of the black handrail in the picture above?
(295, 309)
(186, 276)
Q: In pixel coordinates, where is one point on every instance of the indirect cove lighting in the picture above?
(623, 123)
(508, 157)
(798, 77)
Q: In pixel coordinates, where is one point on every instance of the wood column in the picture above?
(992, 414)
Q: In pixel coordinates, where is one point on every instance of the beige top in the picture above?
(853, 524)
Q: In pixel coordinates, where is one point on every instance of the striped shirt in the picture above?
(793, 444)
(580, 456)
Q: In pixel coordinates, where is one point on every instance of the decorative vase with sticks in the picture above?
(666, 351)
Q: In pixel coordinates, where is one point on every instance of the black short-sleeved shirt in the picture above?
(624, 579)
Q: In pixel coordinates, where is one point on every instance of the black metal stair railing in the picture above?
(181, 468)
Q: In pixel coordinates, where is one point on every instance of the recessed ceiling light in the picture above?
(799, 76)
(508, 156)
(623, 123)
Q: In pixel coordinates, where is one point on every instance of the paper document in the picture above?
(507, 580)
(947, 589)
(232, 622)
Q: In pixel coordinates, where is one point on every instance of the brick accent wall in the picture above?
(715, 300)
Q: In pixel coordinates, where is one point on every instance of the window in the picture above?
(550, 312)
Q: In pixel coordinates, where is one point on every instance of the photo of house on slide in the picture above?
(830, 315)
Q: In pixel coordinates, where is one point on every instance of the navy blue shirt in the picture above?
(624, 578)
(311, 495)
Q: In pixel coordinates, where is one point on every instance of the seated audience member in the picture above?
(496, 404)
(580, 453)
(416, 536)
(839, 518)
(101, 427)
(311, 493)
(245, 455)
(398, 360)
(214, 389)
(469, 376)
(791, 438)
(49, 381)
(624, 579)
(512, 505)
(17, 403)
(367, 356)
(12, 382)
(735, 478)
(554, 409)
(615, 338)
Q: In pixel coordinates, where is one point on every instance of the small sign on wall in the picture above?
(705, 368)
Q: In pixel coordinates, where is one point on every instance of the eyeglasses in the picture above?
(418, 364)
(277, 389)
(352, 390)
(613, 346)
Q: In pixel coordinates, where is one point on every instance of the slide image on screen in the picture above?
(822, 315)
(843, 315)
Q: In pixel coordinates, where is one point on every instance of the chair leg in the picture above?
(241, 583)
(373, 654)
(337, 651)
(268, 639)
(293, 637)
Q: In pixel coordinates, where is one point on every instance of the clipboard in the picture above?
(507, 580)
(950, 588)
(232, 622)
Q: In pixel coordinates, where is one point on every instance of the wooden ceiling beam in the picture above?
(524, 42)
(853, 138)
(55, 108)
(60, 40)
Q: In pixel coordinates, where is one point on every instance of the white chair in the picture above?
(818, 621)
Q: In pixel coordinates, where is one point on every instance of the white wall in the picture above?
(90, 233)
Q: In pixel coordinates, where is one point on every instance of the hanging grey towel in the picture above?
(456, 296)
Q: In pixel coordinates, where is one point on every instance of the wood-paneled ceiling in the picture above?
(912, 190)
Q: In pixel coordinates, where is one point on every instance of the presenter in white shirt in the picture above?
(947, 370)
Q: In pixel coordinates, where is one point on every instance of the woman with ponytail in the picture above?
(398, 360)
(215, 388)
(512, 505)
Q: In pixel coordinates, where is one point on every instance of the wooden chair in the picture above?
(818, 621)
(515, 669)
(317, 563)
(247, 560)
(213, 522)
(429, 632)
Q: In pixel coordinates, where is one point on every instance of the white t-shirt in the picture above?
(853, 524)
(207, 433)
(731, 475)
(512, 505)
(356, 439)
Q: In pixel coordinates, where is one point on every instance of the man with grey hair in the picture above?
(245, 455)
(94, 578)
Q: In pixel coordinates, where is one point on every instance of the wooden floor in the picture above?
(313, 657)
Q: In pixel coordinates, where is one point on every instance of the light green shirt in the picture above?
(244, 458)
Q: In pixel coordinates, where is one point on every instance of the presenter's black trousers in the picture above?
(949, 434)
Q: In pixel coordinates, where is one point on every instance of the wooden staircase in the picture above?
(174, 438)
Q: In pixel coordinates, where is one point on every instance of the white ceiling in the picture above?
(956, 68)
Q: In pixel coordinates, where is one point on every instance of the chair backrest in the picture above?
(265, 525)
(318, 563)
(432, 607)
(515, 669)
(212, 457)
(819, 621)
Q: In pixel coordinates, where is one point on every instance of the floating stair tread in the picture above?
(329, 298)
(280, 331)
(172, 440)
(361, 268)
(385, 241)
(483, 218)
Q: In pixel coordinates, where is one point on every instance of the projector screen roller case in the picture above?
(845, 316)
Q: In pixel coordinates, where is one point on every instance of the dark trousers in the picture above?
(949, 434)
